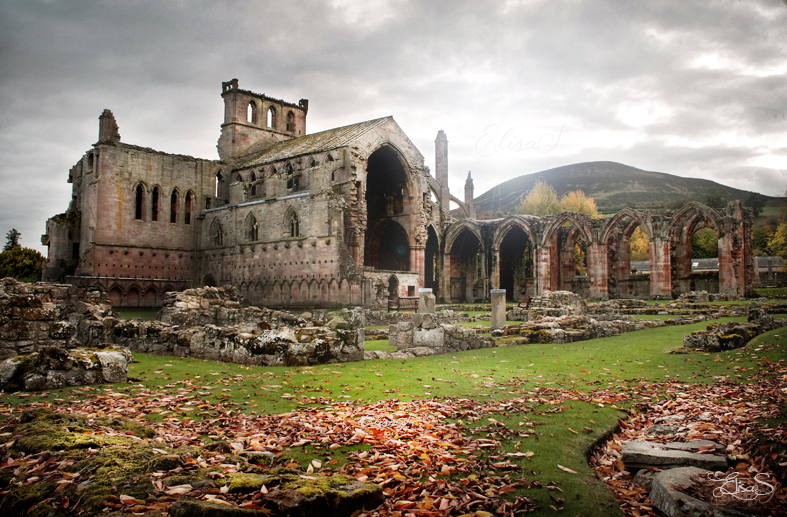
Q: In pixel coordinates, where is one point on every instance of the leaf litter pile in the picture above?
(424, 453)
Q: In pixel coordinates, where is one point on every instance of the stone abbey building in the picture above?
(348, 216)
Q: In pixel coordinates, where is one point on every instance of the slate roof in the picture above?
(314, 143)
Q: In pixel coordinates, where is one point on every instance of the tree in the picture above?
(577, 201)
(756, 202)
(12, 239)
(715, 197)
(541, 200)
(778, 244)
(23, 264)
(639, 245)
(705, 244)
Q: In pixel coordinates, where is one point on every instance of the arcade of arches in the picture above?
(527, 255)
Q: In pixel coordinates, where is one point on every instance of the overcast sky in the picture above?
(689, 87)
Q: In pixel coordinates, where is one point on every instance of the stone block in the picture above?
(639, 454)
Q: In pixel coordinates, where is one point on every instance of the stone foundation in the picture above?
(36, 316)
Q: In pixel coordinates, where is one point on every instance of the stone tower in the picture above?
(253, 122)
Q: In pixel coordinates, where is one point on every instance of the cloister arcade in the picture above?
(528, 255)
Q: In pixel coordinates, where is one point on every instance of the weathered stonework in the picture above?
(349, 216)
(35, 316)
(55, 367)
(434, 338)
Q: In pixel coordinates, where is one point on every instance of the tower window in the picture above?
(295, 226)
(187, 217)
(139, 201)
(291, 122)
(251, 112)
(154, 200)
(272, 117)
(173, 207)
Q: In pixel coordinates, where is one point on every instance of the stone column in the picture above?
(495, 257)
(498, 308)
(426, 301)
(660, 268)
(598, 271)
(417, 254)
(543, 270)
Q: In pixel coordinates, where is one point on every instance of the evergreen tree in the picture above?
(12, 239)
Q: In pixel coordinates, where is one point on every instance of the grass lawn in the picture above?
(520, 394)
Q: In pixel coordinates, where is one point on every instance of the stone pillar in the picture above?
(426, 301)
(660, 268)
(598, 271)
(498, 308)
(495, 280)
(417, 258)
(543, 270)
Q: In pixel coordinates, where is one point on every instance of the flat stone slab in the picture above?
(639, 454)
(665, 496)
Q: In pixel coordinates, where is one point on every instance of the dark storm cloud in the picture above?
(687, 87)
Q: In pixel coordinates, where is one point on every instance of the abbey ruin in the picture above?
(348, 216)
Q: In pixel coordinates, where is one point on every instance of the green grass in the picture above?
(616, 363)
(130, 314)
(773, 293)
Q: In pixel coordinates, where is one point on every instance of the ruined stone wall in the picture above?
(35, 316)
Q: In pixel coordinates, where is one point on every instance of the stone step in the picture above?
(641, 454)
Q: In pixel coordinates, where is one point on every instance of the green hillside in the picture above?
(611, 184)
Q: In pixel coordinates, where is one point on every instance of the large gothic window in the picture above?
(291, 122)
(216, 233)
(189, 201)
(173, 207)
(272, 117)
(154, 204)
(252, 229)
(139, 201)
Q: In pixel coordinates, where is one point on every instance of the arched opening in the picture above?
(387, 247)
(271, 122)
(628, 259)
(90, 162)
(139, 201)
(189, 202)
(216, 233)
(431, 258)
(173, 207)
(253, 183)
(386, 201)
(251, 228)
(695, 256)
(132, 298)
(149, 298)
(209, 281)
(294, 223)
(291, 122)
(393, 289)
(220, 186)
(115, 296)
(517, 271)
(467, 268)
(154, 203)
(251, 112)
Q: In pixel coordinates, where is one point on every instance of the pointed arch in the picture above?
(271, 117)
(216, 233)
(188, 206)
(251, 229)
(139, 201)
(292, 223)
(155, 201)
(173, 206)
(580, 221)
(290, 122)
(613, 223)
(251, 112)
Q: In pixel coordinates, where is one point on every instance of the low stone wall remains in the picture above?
(55, 367)
(726, 336)
(36, 316)
(446, 316)
(427, 335)
(552, 304)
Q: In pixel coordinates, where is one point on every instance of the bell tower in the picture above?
(253, 121)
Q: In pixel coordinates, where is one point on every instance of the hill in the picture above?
(611, 184)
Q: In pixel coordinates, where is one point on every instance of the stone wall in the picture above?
(35, 316)
(427, 336)
(551, 303)
(726, 336)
